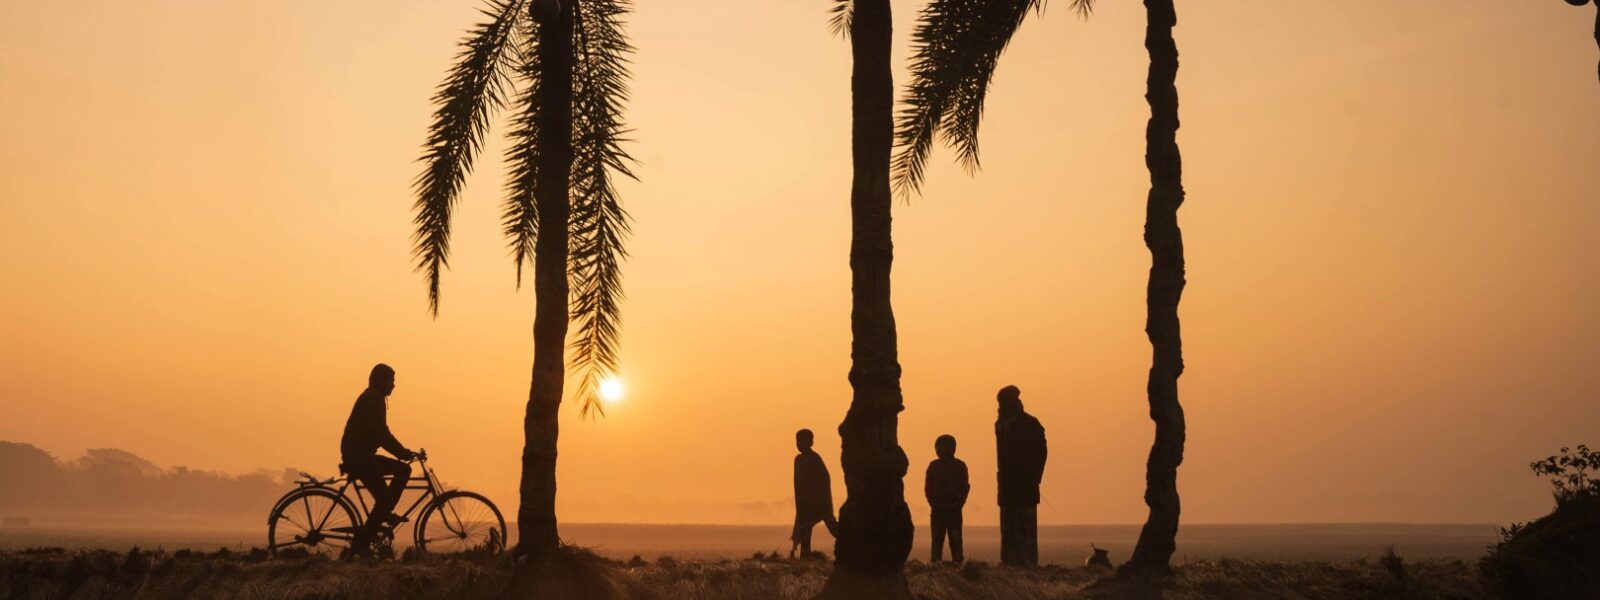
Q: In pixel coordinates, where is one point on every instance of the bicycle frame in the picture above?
(428, 484)
(432, 497)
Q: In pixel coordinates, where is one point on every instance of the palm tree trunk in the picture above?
(1597, 25)
(1158, 539)
(875, 533)
(536, 516)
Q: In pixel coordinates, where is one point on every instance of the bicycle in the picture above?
(318, 518)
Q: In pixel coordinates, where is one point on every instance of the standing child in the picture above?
(946, 487)
(813, 495)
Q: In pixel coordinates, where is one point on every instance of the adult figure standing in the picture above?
(1020, 454)
(813, 495)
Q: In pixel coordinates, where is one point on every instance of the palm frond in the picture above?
(520, 215)
(599, 225)
(843, 12)
(472, 91)
(957, 46)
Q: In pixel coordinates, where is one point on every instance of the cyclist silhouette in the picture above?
(365, 432)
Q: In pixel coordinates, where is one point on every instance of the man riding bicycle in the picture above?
(365, 432)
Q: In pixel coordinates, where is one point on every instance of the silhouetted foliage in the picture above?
(565, 65)
(1393, 563)
(499, 64)
(114, 482)
(957, 46)
(1557, 555)
(1572, 474)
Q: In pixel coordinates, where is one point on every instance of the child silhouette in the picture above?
(946, 487)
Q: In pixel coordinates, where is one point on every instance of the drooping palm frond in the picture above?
(599, 224)
(520, 215)
(470, 94)
(958, 44)
(844, 12)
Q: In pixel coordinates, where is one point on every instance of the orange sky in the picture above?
(205, 219)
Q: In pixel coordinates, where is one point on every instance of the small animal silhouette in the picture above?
(1101, 558)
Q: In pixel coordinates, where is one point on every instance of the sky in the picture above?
(205, 221)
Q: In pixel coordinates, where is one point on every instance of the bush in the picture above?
(1392, 563)
(1557, 555)
(1571, 473)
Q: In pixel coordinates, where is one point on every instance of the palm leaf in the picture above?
(599, 225)
(843, 12)
(470, 94)
(957, 46)
(520, 215)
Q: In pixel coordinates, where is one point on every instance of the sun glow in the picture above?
(611, 389)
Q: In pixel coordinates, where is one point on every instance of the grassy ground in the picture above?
(182, 574)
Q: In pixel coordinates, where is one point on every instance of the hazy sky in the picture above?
(205, 220)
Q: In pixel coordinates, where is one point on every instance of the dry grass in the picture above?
(94, 575)
(186, 574)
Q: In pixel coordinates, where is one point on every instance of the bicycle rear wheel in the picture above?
(311, 521)
(461, 523)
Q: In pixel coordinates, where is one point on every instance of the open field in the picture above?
(104, 574)
(1060, 544)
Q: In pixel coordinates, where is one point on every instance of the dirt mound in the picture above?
(1556, 556)
(576, 574)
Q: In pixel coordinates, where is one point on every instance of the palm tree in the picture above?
(874, 534)
(563, 67)
(1158, 538)
(958, 43)
(1596, 17)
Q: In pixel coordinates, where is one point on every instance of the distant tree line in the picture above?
(111, 481)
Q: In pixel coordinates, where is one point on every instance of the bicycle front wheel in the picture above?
(311, 521)
(461, 523)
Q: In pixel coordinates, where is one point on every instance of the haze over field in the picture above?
(116, 500)
(1389, 230)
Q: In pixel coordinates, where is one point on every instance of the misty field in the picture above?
(52, 573)
(1061, 544)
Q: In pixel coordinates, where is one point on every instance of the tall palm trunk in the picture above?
(1158, 539)
(536, 517)
(1597, 25)
(875, 533)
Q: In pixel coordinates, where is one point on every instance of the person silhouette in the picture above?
(1020, 451)
(813, 495)
(946, 487)
(365, 431)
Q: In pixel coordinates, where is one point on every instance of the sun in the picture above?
(611, 389)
